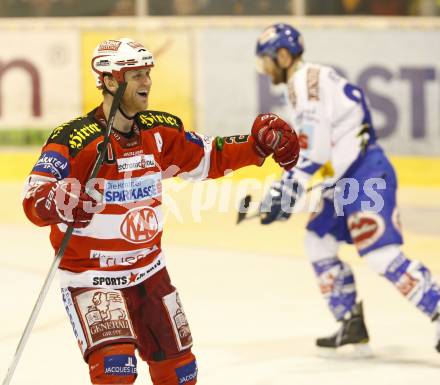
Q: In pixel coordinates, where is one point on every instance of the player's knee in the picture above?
(176, 371)
(318, 248)
(113, 364)
(379, 259)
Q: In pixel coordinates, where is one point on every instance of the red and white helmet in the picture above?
(115, 57)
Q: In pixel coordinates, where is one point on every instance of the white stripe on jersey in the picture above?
(118, 279)
(202, 170)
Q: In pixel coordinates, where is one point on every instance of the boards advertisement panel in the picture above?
(39, 78)
(399, 69)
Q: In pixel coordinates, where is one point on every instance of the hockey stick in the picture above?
(243, 207)
(67, 235)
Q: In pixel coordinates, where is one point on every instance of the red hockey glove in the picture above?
(287, 152)
(274, 136)
(65, 202)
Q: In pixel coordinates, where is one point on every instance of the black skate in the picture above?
(353, 332)
(436, 319)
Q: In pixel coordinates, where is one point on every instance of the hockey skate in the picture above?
(352, 333)
(436, 319)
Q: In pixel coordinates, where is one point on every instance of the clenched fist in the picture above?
(274, 136)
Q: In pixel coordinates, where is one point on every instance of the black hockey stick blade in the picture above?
(243, 208)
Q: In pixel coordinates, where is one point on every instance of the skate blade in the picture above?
(350, 351)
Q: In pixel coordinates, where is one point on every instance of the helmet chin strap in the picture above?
(296, 64)
(284, 75)
(283, 71)
(125, 115)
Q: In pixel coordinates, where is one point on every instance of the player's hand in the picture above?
(65, 202)
(273, 135)
(279, 201)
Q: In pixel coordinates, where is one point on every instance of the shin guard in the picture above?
(176, 371)
(336, 282)
(414, 281)
(113, 364)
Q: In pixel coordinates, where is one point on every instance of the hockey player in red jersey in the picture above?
(115, 286)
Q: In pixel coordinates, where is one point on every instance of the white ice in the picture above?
(252, 303)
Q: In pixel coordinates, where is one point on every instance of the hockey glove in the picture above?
(278, 203)
(274, 136)
(65, 202)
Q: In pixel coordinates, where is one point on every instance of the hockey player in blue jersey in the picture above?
(334, 124)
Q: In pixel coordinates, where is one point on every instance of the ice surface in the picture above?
(251, 300)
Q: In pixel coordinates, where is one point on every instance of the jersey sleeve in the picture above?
(52, 165)
(192, 156)
(57, 161)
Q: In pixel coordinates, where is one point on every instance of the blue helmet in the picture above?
(279, 36)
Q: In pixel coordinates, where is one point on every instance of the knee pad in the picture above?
(181, 370)
(113, 364)
(379, 260)
(318, 248)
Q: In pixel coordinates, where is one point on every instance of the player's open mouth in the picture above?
(144, 94)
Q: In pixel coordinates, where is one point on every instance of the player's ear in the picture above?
(284, 58)
(110, 83)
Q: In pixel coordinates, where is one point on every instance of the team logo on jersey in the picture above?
(132, 190)
(140, 225)
(365, 228)
(54, 163)
(104, 314)
(137, 162)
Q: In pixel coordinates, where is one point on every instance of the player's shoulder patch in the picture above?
(149, 119)
(76, 134)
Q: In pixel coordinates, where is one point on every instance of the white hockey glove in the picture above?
(279, 201)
